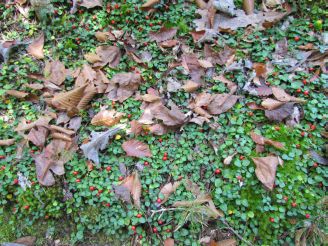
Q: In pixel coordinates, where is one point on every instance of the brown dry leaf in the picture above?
(42, 121)
(225, 56)
(282, 96)
(254, 106)
(104, 36)
(53, 157)
(149, 4)
(133, 184)
(158, 129)
(55, 72)
(163, 34)
(169, 242)
(190, 86)
(205, 63)
(123, 85)
(89, 93)
(168, 189)
(7, 142)
(197, 35)
(55, 128)
(136, 127)
(68, 100)
(260, 69)
(34, 86)
(107, 118)
(248, 6)
(150, 98)
(109, 55)
(91, 3)
(266, 169)
(61, 136)
(26, 241)
(136, 148)
(38, 136)
(192, 66)
(17, 94)
(173, 117)
(263, 19)
(221, 103)
(271, 104)
(262, 141)
(169, 43)
(92, 57)
(281, 113)
(308, 46)
(231, 85)
(36, 47)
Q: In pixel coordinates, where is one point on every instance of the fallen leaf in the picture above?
(69, 100)
(133, 184)
(149, 4)
(61, 130)
(41, 121)
(227, 242)
(136, 127)
(168, 189)
(308, 46)
(260, 69)
(318, 158)
(262, 141)
(231, 85)
(228, 159)
(107, 118)
(271, 104)
(248, 6)
(263, 19)
(169, 43)
(169, 242)
(7, 142)
(136, 148)
(123, 193)
(281, 113)
(92, 57)
(221, 103)
(228, 7)
(104, 36)
(91, 3)
(17, 94)
(158, 129)
(55, 72)
(36, 47)
(163, 34)
(282, 96)
(26, 241)
(38, 136)
(266, 169)
(173, 117)
(98, 142)
(190, 86)
(150, 98)
(110, 55)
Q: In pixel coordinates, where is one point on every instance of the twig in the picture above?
(234, 232)
(164, 210)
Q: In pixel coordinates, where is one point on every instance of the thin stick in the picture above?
(234, 232)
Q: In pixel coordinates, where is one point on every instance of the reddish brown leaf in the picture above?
(17, 94)
(107, 118)
(163, 34)
(7, 142)
(169, 43)
(110, 55)
(262, 141)
(266, 169)
(271, 104)
(168, 189)
(149, 4)
(231, 85)
(173, 117)
(133, 184)
(260, 69)
(55, 72)
(136, 148)
(169, 242)
(36, 47)
(282, 96)
(136, 127)
(38, 136)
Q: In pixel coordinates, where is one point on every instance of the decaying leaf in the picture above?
(231, 85)
(149, 3)
(36, 47)
(282, 96)
(266, 169)
(263, 19)
(190, 86)
(228, 159)
(68, 100)
(99, 141)
(173, 117)
(133, 185)
(136, 148)
(7, 142)
(262, 141)
(41, 121)
(55, 72)
(169, 242)
(91, 3)
(226, 242)
(168, 189)
(271, 104)
(26, 241)
(163, 34)
(17, 94)
(281, 113)
(107, 118)
(38, 135)
(110, 55)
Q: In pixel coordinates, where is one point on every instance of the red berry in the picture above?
(133, 228)
(311, 69)
(306, 93)
(271, 220)
(120, 178)
(139, 215)
(107, 204)
(277, 128)
(241, 157)
(26, 207)
(140, 236)
(15, 181)
(129, 116)
(165, 153)
(55, 12)
(307, 216)
(298, 146)
(146, 163)
(160, 140)
(313, 127)
(302, 134)
(154, 229)
(75, 173)
(78, 180)
(151, 24)
(298, 90)
(164, 158)
(315, 165)
(159, 200)
(92, 188)
(250, 113)
(239, 177)
(117, 6)
(147, 17)
(80, 11)
(297, 38)
(3, 167)
(46, 217)
(168, 230)
(160, 222)
(100, 191)
(311, 25)
(304, 82)
(217, 171)
(294, 204)
(2, 157)
(108, 169)
(257, 37)
(286, 198)
(113, 22)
